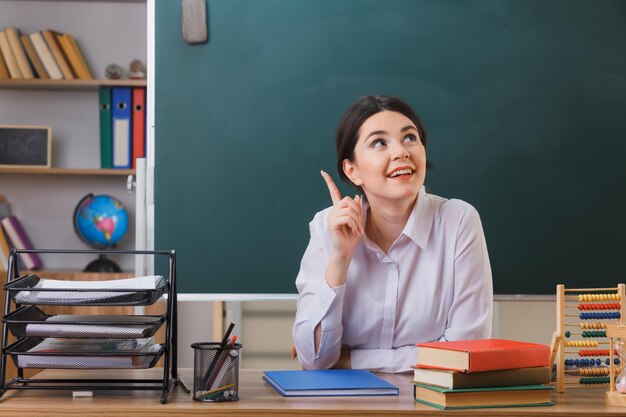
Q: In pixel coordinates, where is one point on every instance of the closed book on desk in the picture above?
(508, 377)
(331, 382)
(121, 136)
(16, 233)
(482, 355)
(517, 396)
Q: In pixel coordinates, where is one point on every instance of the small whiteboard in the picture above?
(25, 146)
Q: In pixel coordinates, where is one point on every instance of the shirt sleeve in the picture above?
(384, 360)
(471, 311)
(317, 303)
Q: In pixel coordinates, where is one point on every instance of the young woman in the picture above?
(394, 266)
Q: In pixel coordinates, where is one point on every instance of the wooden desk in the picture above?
(258, 398)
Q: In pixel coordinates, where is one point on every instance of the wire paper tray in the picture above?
(31, 321)
(25, 290)
(105, 359)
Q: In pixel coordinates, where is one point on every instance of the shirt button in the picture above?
(323, 305)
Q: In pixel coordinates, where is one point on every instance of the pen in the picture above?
(219, 351)
(224, 355)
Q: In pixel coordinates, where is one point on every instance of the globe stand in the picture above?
(102, 264)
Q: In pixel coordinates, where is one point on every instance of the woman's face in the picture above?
(389, 158)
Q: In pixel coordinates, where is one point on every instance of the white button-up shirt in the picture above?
(434, 284)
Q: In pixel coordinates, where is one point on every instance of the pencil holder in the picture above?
(215, 372)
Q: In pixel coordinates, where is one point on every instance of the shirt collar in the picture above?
(421, 219)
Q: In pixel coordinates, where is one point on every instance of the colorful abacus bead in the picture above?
(568, 333)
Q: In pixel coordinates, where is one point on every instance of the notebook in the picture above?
(331, 382)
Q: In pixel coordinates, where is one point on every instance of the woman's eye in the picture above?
(378, 143)
(410, 138)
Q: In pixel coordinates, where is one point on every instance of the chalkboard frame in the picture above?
(37, 129)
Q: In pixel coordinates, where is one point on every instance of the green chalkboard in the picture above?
(524, 102)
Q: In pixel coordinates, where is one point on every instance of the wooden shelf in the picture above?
(68, 171)
(38, 84)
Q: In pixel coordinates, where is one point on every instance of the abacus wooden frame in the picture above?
(559, 335)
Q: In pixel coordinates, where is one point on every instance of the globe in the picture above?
(101, 222)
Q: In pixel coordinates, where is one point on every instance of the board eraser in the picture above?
(194, 21)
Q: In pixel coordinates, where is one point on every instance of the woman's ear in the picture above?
(351, 172)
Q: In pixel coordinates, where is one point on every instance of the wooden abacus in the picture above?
(582, 316)
(614, 397)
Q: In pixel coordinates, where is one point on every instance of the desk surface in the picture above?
(259, 398)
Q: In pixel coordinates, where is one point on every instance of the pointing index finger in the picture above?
(335, 195)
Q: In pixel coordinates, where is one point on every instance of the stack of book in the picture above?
(45, 54)
(482, 373)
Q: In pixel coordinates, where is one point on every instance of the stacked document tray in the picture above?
(37, 352)
(31, 290)
(31, 321)
(83, 341)
(94, 336)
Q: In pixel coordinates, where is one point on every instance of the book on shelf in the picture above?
(139, 124)
(121, 125)
(4, 71)
(106, 123)
(9, 58)
(482, 355)
(46, 56)
(40, 70)
(19, 54)
(330, 382)
(19, 239)
(73, 55)
(51, 40)
(4, 251)
(512, 396)
(507, 377)
(81, 56)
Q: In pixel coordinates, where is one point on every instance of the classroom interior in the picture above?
(556, 196)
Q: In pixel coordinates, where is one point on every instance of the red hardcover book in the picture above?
(139, 124)
(482, 355)
(19, 239)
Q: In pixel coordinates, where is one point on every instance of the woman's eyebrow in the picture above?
(408, 127)
(376, 132)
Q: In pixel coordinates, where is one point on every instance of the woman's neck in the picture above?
(386, 220)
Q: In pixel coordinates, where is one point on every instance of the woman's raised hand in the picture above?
(344, 220)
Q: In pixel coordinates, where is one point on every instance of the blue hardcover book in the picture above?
(331, 382)
(121, 137)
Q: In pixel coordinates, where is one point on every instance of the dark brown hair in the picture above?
(362, 109)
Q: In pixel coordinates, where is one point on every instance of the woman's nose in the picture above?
(400, 153)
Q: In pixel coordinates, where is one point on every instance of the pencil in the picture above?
(209, 370)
